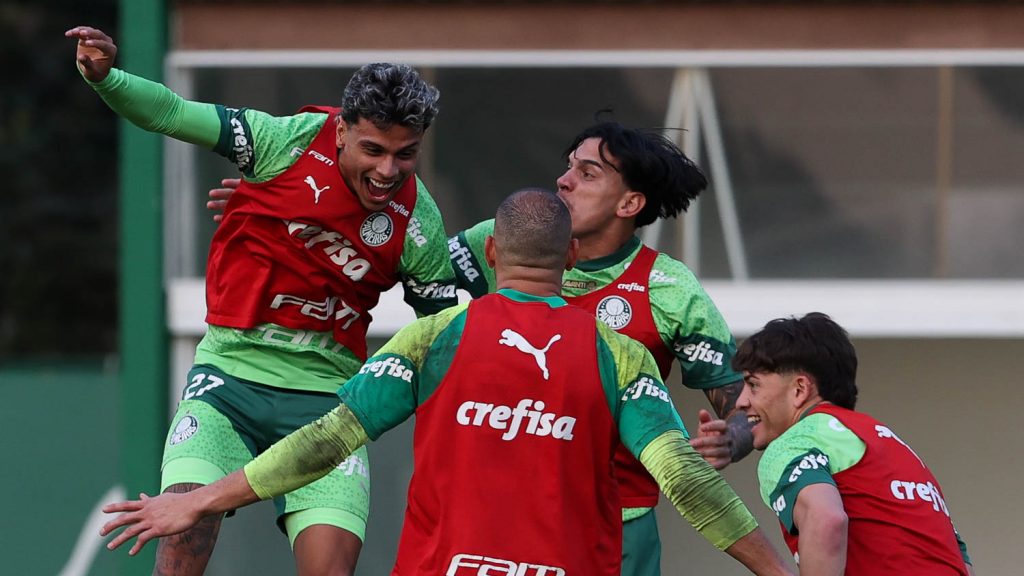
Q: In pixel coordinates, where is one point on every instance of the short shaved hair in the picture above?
(533, 228)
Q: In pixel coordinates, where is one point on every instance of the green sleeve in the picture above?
(691, 325)
(306, 454)
(466, 249)
(260, 145)
(810, 452)
(153, 107)
(699, 493)
(638, 399)
(426, 271)
(391, 385)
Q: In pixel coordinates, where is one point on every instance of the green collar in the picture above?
(517, 296)
(804, 415)
(631, 245)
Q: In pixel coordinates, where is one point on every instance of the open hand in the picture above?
(96, 52)
(150, 518)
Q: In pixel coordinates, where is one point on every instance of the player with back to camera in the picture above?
(520, 401)
(618, 180)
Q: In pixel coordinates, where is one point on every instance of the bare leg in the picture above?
(187, 554)
(323, 550)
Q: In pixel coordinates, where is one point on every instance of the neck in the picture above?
(603, 242)
(532, 281)
(807, 406)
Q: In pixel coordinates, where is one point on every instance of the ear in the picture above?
(805, 390)
(490, 252)
(631, 204)
(339, 134)
(573, 255)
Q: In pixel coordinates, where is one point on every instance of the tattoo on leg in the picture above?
(189, 552)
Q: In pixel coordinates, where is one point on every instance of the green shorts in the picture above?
(222, 423)
(641, 546)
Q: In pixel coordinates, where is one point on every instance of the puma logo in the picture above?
(515, 340)
(316, 191)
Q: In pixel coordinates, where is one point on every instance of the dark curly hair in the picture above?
(815, 345)
(389, 94)
(650, 164)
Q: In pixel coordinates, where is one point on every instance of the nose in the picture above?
(564, 181)
(387, 167)
(743, 402)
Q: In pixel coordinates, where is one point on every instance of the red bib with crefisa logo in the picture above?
(300, 250)
(899, 522)
(625, 306)
(513, 452)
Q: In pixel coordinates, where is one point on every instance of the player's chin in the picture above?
(374, 203)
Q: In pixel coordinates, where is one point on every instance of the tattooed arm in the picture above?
(727, 439)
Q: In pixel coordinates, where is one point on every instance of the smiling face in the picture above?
(376, 162)
(774, 402)
(594, 190)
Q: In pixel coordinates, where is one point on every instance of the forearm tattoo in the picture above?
(723, 401)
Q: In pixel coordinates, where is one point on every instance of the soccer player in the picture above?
(617, 181)
(520, 401)
(851, 496)
(314, 234)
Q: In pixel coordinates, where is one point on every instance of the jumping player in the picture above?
(316, 231)
(520, 401)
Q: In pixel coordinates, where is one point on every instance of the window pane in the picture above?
(837, 173)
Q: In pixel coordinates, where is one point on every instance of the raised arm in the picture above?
(149, 105)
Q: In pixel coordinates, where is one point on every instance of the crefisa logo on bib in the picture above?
(185, 429)
(376, 229)
(615, 311)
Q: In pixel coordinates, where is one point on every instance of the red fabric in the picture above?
(896, 525)
(299, 250)
(637, 488)
(505, 494)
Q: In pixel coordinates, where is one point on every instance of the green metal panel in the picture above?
(143, 376)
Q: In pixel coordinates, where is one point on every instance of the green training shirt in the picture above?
(262, 146)
(683, 312)
(818, 450)
(408, 369)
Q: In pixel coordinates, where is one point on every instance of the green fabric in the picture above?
(699, 493)
(261, 146)
(152, 107)
(641, 546)
(392, 384)
(407, 370)
(684, 314)
(268, 355)
(306, 454)
(809, 452)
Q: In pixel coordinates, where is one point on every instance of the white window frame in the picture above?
(928, 308)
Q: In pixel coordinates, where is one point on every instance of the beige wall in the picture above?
(956, 402)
